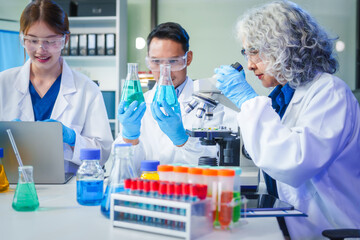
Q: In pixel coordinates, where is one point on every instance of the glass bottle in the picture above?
(4, 183)
(121, 169)
(149, 170)
(132, 88)
(89, 178)
(165, 90)
(25, 197)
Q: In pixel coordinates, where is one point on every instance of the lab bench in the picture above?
(61, 217)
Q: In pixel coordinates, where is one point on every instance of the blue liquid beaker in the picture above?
(165, 90)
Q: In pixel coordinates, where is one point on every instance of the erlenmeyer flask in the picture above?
(132, 88)
(4, 183)
(25, 197)
(165, 90)
(122, 169)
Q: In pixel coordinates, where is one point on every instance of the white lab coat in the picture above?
(155, 145)
(313, 153)
(79, 106)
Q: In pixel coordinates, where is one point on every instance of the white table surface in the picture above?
(60, 217)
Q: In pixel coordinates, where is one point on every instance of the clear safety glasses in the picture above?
(177, 63)
(52, 44)
(251, 54)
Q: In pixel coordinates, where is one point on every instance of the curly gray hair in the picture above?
(289, 40)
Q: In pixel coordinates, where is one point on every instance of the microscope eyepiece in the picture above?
(237, 66)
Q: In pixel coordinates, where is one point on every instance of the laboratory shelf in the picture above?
(94, 21)
(90, 58)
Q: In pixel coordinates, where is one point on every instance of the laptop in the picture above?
(40, 144)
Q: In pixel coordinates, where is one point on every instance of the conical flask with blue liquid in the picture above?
(132, 88)
(165, 90)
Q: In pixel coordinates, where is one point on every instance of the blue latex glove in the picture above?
(16, 120)
(170, 124)
(233, 85)
(69, 135)
(130, 119)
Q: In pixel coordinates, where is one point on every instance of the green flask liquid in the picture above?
(132, 88)
(25, 197)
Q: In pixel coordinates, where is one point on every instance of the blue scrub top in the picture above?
(43, 106)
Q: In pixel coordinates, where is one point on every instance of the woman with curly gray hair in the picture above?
(306, 134)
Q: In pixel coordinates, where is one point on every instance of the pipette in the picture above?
(13, 144)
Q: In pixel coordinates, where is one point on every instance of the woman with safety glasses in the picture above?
(46, 89)
(306, 134)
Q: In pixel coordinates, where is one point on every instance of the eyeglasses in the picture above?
(52, 44)
(252, 54)
(177, 63)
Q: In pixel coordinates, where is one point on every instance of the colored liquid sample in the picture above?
(132, 91)
(89, 192)
(225, 214)
(237, 207)
(166, 93)
(105, 203)
(4, 183)
(150, 175)
(25, 198)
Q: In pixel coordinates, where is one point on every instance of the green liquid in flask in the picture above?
(25, 198)
(166, 93)
(132, 92)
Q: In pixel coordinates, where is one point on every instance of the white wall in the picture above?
(11, 10)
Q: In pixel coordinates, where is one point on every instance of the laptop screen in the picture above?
(40, 145)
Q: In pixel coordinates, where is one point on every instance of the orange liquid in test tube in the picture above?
(225, 193)
(225, 214)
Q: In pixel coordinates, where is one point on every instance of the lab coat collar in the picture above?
(23, 78)
(185, 95)
(300, 91)
(67, 87)
(299, 94)
(22, 86)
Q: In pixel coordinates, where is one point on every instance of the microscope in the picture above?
(206, 98)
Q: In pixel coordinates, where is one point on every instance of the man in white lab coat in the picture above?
(307, 134)
(165, 139)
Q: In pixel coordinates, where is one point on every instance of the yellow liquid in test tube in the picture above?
(4, 183)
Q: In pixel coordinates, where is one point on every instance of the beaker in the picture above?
(25, 197)
(4, 183)
(131, 90)
(165, 90)
(121, 169)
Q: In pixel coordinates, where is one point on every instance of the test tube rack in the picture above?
(197, 218)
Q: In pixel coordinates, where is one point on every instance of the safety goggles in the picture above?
(177, 63)
(52, 44)
(251, 54)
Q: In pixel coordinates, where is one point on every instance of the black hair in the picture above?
(172, 31)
